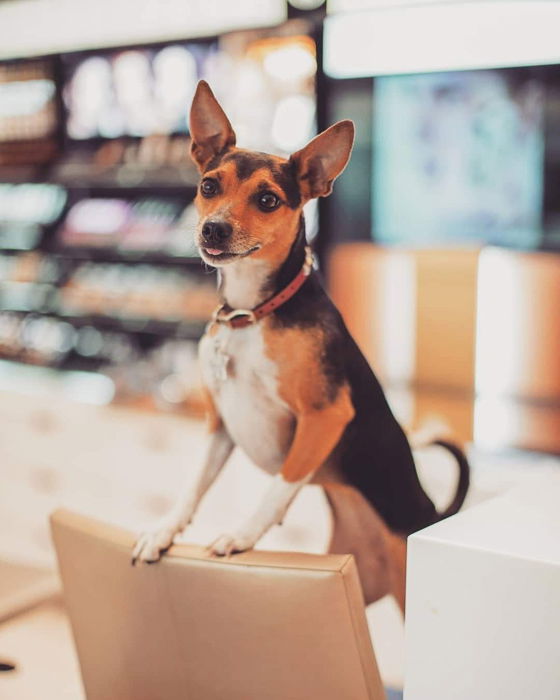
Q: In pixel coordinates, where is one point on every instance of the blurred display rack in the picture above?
(116, 255)
(146, 334)
(122, 178)
(172, 180)
(180, 329)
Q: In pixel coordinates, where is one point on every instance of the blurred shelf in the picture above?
(72, 362)
(181, 329)
(84, 175)
(17, 174)
(171, 188)
(110, 255)
(182, 180)
(117, 255)
(18, 251)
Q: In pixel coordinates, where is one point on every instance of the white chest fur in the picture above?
(243, 382)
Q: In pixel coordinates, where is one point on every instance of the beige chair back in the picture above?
(255, 626)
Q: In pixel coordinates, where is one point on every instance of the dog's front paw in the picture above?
(152, 544)
(228, 544)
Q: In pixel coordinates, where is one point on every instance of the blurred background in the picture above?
(440, 243)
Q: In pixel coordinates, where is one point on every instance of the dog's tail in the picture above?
(464, 477)
(427, 435)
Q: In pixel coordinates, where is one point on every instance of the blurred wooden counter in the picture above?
(473, 335)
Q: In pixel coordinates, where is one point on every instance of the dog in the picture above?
(283, 377)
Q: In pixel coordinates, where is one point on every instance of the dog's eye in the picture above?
(268, 201)
(208, 187)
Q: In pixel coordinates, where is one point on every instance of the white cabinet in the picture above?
(483, 600)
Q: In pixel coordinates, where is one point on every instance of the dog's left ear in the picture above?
(323, 159)
(211, 131)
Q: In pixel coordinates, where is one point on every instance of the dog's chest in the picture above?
(243, 382)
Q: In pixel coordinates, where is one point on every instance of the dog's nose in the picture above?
(216, 231)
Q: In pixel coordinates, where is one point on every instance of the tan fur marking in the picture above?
(317, 434)
(213, 418)
(301, 380)
(321, 419)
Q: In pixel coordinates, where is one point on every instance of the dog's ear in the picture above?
(323, 159)
(211, 131)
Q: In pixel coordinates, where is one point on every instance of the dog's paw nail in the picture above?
(150, 546)
(219, 546)
(226, 545)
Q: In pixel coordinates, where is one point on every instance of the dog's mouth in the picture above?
(217, 255)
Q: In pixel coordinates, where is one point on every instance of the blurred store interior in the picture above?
(440, 244)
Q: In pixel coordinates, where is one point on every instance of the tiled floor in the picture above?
(40, 640)
(23, 586)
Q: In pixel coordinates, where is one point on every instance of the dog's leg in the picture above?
(152, 543)
(380, 554)
(317, 433)
(271, 511)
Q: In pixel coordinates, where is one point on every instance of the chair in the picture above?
(255, 626)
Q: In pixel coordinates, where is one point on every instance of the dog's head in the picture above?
(250, 203)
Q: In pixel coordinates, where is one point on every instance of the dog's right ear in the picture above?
(211, 131)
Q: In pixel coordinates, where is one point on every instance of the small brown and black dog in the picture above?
(285, 380)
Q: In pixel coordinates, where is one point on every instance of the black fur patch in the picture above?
(286, 178)
(284, 175)
(248, 163)
(216, 160)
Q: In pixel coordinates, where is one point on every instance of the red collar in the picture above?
(241, 318)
